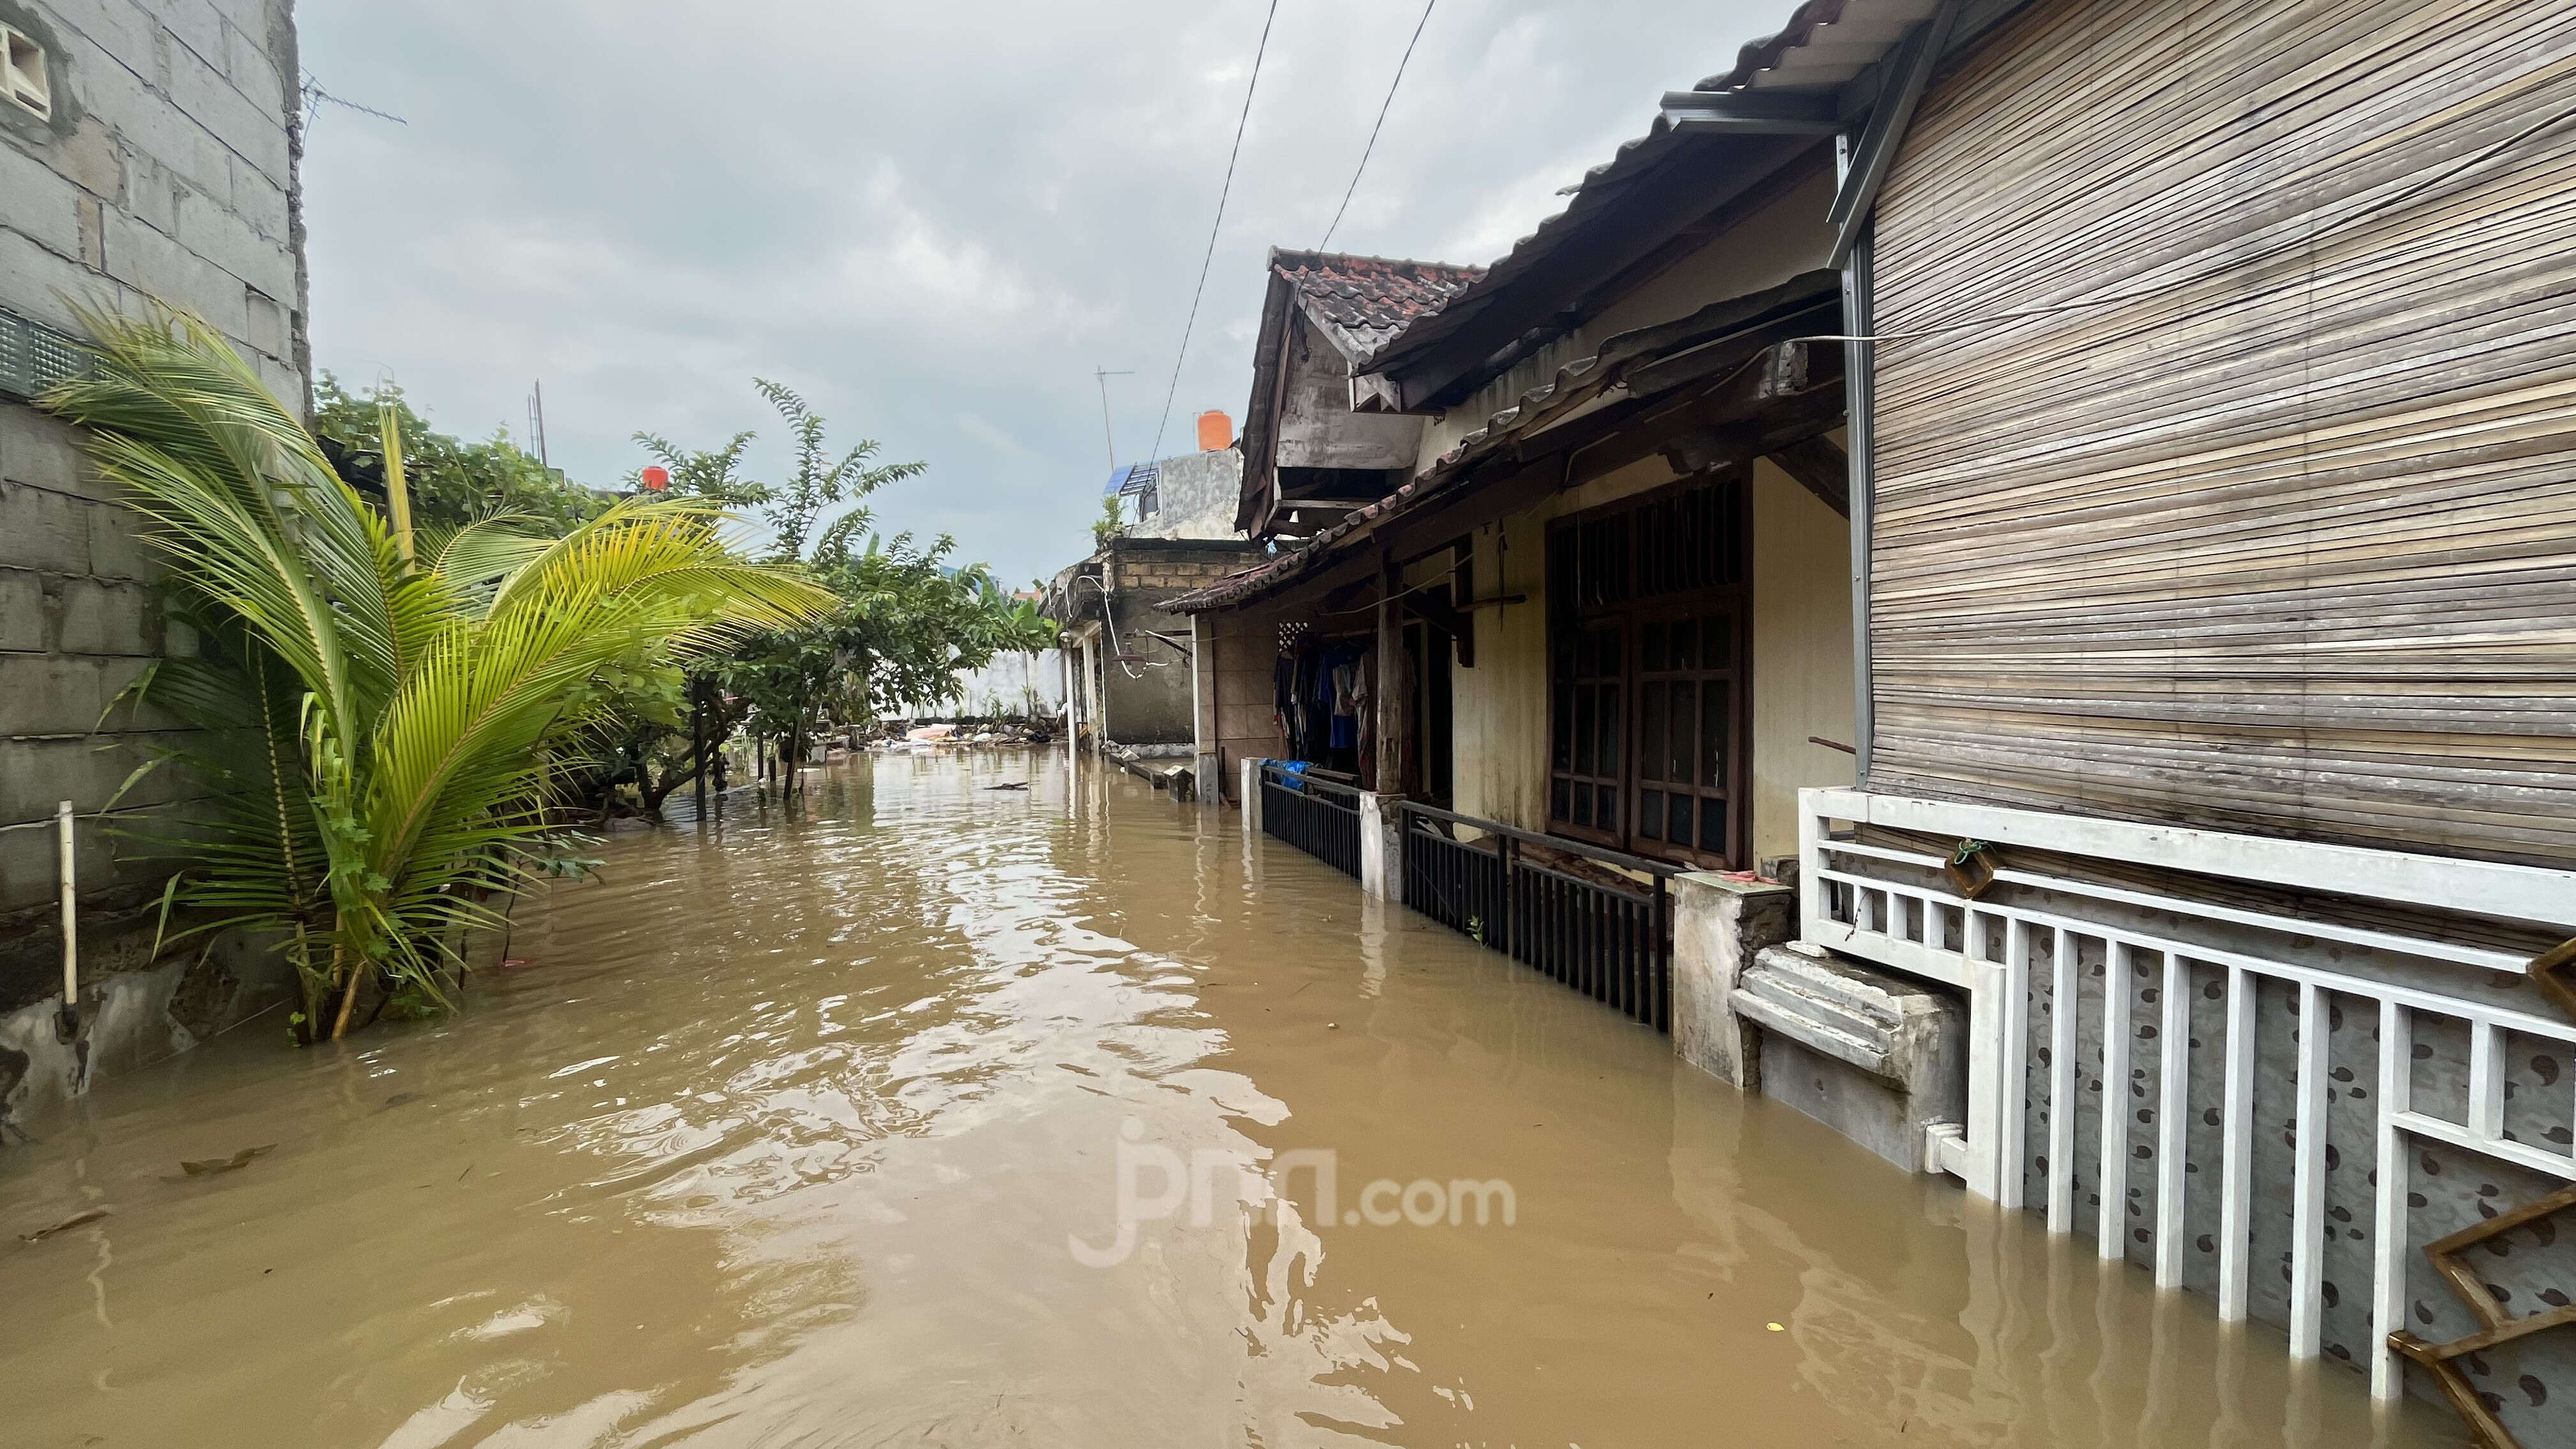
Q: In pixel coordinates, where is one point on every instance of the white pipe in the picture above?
(71, 907)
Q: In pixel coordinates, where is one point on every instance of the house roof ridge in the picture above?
(1279, 254)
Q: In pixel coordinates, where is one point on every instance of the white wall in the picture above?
(1014, 684)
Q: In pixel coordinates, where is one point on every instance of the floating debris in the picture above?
(209, 1166)
(79, 1219)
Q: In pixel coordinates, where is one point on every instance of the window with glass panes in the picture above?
(1646, 647)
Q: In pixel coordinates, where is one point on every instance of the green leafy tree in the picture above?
(451, 481)
(381, 728)
(715, 476)
(906, 619)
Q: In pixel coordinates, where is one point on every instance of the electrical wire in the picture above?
(2231, 264)
(1117, 651)
(1382, 109)
(1219, 225)
(1433, 582)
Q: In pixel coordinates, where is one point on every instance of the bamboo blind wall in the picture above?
(2282, 538)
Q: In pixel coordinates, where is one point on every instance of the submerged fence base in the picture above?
(1319, 817)
(1606, 934)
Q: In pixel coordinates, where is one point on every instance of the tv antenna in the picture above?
(537, 425)
(1102, 375)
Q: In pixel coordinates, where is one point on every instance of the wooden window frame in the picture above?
(1577, 627)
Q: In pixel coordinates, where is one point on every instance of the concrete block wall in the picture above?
(168, 169)
(1175, 566)
(1153, 704)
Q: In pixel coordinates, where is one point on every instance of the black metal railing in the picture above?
(1319, 817)
(1609, 937)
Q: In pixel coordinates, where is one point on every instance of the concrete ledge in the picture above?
(1880, 1059)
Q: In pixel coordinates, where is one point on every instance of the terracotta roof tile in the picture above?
(1363, 301)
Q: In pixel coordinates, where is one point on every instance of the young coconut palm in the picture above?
(378, 732)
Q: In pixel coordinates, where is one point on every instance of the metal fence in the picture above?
(1319, 817)
(1610, 941)
(2227, 1021)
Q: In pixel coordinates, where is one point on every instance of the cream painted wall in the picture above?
(1499, 729)
(1802, 656)
(1802, 653)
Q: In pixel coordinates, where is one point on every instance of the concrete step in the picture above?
(1851, 1012)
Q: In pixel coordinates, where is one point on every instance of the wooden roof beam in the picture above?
(1821, 467)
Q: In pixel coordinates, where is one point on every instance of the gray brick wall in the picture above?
(168, 170)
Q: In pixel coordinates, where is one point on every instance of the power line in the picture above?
(1204, 262)
(1381, 123)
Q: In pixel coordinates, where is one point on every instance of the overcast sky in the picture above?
(932, 219)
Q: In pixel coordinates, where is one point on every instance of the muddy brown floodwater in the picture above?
(810, 1131)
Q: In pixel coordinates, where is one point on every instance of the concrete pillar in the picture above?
(1252, 798)
(1390, 697)
(1719, 923)
(1382, 846)
(1210, 766)
(1095, 688)
(1064, 658)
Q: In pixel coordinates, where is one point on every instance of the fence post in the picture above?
(1252, 796)
(1382, 846)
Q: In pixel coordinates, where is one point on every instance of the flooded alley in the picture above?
(811, 1131)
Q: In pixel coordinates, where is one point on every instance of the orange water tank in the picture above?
(1216, 430)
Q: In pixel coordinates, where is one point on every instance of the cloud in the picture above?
(933, 220)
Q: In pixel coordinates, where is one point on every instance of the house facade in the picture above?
(1127, 673)
(2109, 464)
(1625, 473)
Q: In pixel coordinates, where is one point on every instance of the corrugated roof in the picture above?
(1598, 188)
(1359, 301)
(1825, 43)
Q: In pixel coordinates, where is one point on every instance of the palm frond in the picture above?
(378, 736)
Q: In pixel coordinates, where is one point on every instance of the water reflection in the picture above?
(782, 1136)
